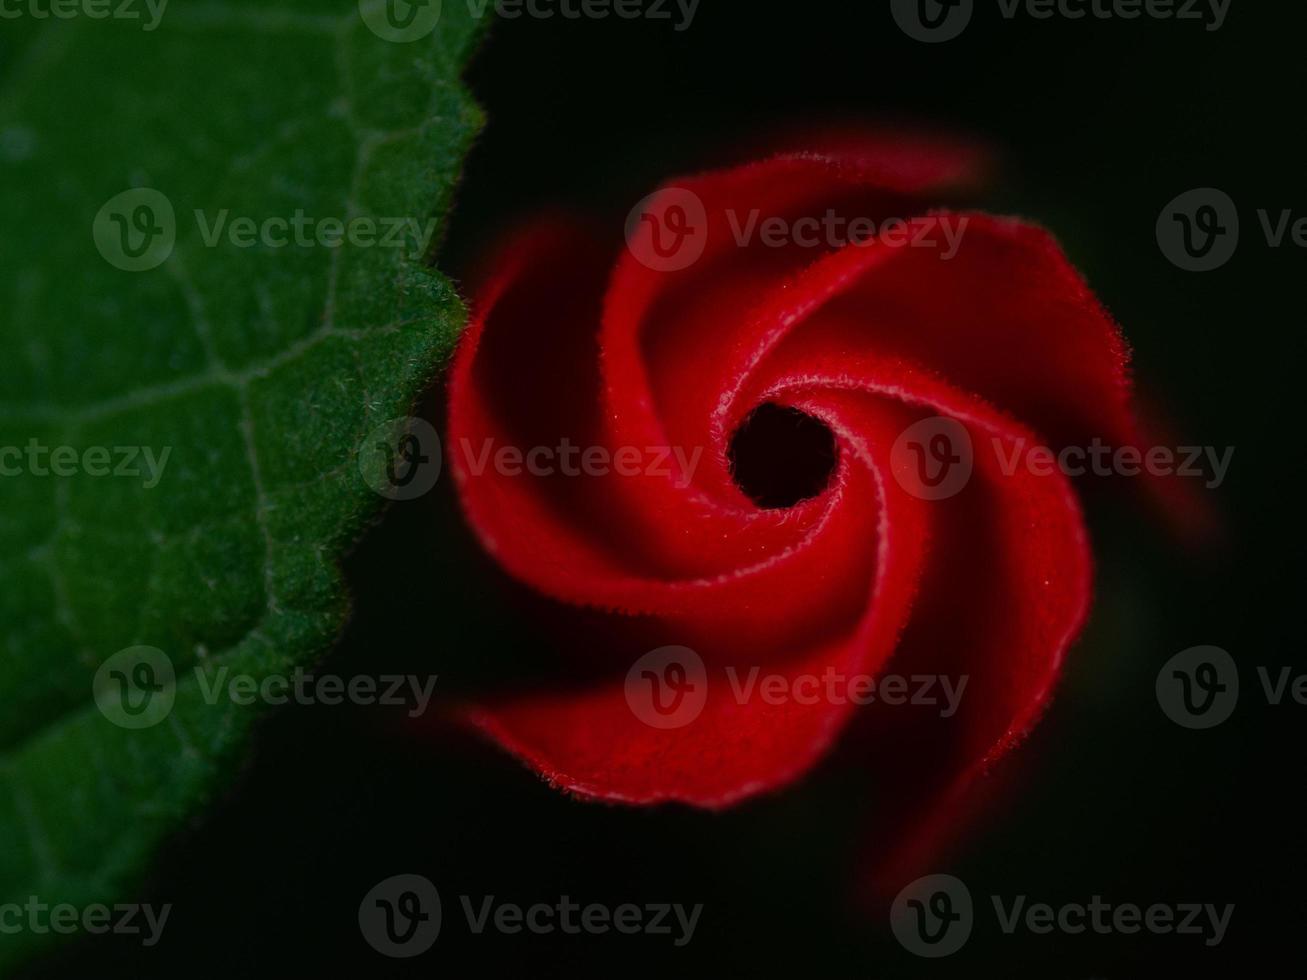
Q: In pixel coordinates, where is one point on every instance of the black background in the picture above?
(1100, 124)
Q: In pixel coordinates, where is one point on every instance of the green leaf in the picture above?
(262, 369)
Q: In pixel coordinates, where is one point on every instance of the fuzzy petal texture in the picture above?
(577, 340)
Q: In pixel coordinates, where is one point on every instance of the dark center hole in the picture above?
(780, 456)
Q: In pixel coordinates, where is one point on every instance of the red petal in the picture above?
(992, 584)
